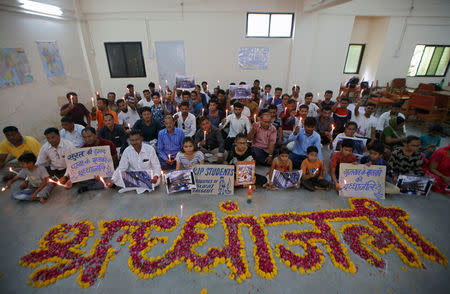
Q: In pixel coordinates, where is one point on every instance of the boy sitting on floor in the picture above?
(313, 177)
(343, 156)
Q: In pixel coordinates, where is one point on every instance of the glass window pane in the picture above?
(417, 55)
(281, 25)
(353, 55)
(442, 66)
(135, 63)
(435, 61)
(258, 25)
(426, 57)
(116, 60)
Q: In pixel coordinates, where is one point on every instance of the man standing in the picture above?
(71, 131)
(263, 136)
(170, 142)
(76, 110)
(303, 138)
(98, 112)
(132, 96)
(210, 142)
(52, 154)
(16, 144)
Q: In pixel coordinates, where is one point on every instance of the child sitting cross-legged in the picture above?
(281, 163)
(374, 157)
(343, 156)
(35, 176)
(313, 177)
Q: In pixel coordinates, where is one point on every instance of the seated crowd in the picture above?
(174, 129)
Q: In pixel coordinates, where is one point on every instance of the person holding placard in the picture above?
(185, 120)
(344, 156)
(209, 140)
(76, 110)
(263, 136)
(238, 124)
(281, 163)
(189, 155)
(407, 160)
(138, 157)
(170, 142)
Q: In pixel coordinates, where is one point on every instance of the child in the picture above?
(35, 176)
(189, 156)
(374, 157)
(343, 156)
(313, 177)
(241, 151)
(281, 163)
(341, 114)
(431, 140)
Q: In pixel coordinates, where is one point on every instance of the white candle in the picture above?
(97, 94)
(298, 105)
(332, 129)
(13, 171)
(218, 83)
(3, 189)
(226, 112)
(181, 211)
(103, 181)
(92, 99)
(318, 95)
(71, 99)
(167, 83)
(204, 135)
(177, 108)
(170, 159)
(203, 112)
(254, 117)
(129, 126)
(159, 87)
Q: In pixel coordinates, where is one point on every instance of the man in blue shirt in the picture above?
(303, 138)
(170, 141)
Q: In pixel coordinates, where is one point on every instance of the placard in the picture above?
(179, 180)
(185, 83)
(139, 181)
(241, 91)
(216, 179)
(358, 145)
(253, 57)
(360, 180)
(86, 163)
(285, 180)
(414, 185)
(245, 172)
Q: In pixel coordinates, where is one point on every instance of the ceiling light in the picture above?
(41, 7)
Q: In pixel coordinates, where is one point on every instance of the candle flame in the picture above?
(3, 189)
(103, 181)
(13, 171)
(56, 182)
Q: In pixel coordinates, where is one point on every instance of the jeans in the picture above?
(27, 193)
(296, 159)
(260, 155)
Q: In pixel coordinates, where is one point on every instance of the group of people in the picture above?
(177, 129)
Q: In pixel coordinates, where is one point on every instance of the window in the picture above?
(354, 57)
(125, 59)
(269, 25)
(429, 61)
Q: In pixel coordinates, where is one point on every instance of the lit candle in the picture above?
(56, 182)
(204, 135)
(177, 108)
(260, 103)
(318, 95)
(332, 129)
(203, 112)
(249, 194)
(13, 171)
(129, 127)
(285, 111)
(3, 189)
(159, 87)
(71, 99)
(254, 117)
(97, 93)
(92, 99)
(103, 181)
(218, 83)
(162, 177)
(298, 105)
(181, 211)
(226, 112)
(167, 83)
(170, 159)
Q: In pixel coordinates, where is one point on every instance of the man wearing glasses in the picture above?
(263, 136)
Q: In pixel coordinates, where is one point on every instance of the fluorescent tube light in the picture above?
(41, 7)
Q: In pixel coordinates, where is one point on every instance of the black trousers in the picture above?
(311, 183)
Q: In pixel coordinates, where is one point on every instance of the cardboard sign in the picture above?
(179, 180)
(217, 179)
(241, 91)
(245, 172)
(185, 83)
(361, 180)
(86, 163)
(414, 185)
(284, 180)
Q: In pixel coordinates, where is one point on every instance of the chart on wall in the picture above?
(51, 59)
(14, 67)
(170, 59)
(253, 57)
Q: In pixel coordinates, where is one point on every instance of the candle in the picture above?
(249, 194)
(167, 83)
(13, 171)
(170, 159)
(318, 95)
(3, 189)
(332, 129)
(203, 112)
(162, 177)
(92, 99)
(181, 211)
(129, 126)
(177, 108)
(71, 99)
(56, 182)
(226, 112)
(159, 87)
(298, 105)
(103, 181)
(218, 83)
(254, 117)
(97, 94)
(204, 135)
(285, 111)
(260, 102)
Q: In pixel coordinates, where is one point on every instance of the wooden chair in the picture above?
(424, 89)
(379, 97)
(427, 108)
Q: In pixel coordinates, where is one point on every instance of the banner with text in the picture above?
(214, 179)
(86, 163)
(360, 180)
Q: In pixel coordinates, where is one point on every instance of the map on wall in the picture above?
(51, 59)
(253, 57)
(14, 67)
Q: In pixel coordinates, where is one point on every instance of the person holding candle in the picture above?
(170, 142)
(266, 96)
(345, 155)
(367, 122)
(76, 110)
(284, 103)
(288, 117)
(313, 109)
(277, 98)
(158, 108)
(263, 136)
(127, 116)
(341, 114)
(170, 105)
(147, 101)
(177, 95)
(188, 155)
(206, 92)
(97, 113)
(209, 140)
(325, 125)
(185, 120)
(213, 113)
(36, 185)
(238, 124)
(295, 94)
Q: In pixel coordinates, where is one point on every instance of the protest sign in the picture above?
(214, 179)
(185, 83)
(86, 163)
(241, 91)
(245, 172)
(360, 180)
(179, 180)
(253, 58)
(284, 180)
(414, 185)
(358, 145)
(140, 181)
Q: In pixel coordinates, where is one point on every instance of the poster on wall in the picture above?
(216, 179)
(358, 180)
(253, 58)
(241, 91)
(49, 52)
(86, 163)
(14, 67)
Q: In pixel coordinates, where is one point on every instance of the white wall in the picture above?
(32, 107)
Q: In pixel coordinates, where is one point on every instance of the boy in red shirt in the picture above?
(343, 156)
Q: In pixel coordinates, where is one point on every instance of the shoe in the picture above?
(82, 189)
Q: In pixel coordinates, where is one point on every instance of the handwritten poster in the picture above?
(245, 172)
(253, 57)
(185, 83)
(241, 91)
(86, 163)
(361, 180)
(216, 179)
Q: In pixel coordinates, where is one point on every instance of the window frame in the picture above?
(421, 57)
(122, 45)
(360, 57)
(270, 23)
